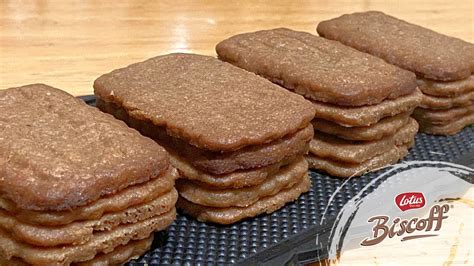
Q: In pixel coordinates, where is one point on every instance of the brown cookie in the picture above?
(80, 232)
(367, 115)
(346, 151)
(121, 254)
(341, 169)
(234, 214)
(238, 179)
(442, 116)
(429, 54)
(118, 256)
(449, 128)
(123, 199)
(317, 68)
(217, 163)
(433, 102)
(383, 128)
(447, 88)
(205, 102)
(57, 153)
(243, 197)
(99, 243)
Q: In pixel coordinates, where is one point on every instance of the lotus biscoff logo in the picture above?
(415, 227)
(410, 200)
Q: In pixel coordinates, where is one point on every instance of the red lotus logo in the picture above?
(410, 200)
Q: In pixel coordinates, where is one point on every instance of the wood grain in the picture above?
(67, 44)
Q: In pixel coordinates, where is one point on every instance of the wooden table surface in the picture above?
(67, 44)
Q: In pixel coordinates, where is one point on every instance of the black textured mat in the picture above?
(190, 242)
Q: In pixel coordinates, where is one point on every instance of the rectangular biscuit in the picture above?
(122, 254)
(429, 54)
(219, 162)
(121, 200)
(233, 214)
(434, 102)
(442, 116)
(285, 178)
(343, 169)
(235, 180)
(57, 153)
(79, 232)
(449, 128)
(367, 115)
(205, 102)
(118, 256)
(227, 160)
(341, 150)
(385, 127)
(446, 88)
(317, 68)
(10, 247)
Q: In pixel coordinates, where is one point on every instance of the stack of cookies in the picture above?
(363, 104)
(236, 139)
(447, 107)
(77, 186)
(444, 65)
